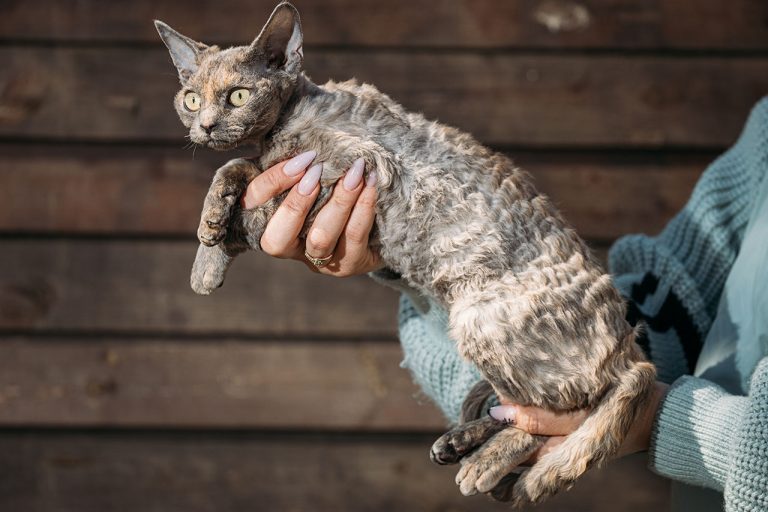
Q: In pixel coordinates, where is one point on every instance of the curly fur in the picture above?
(527, 302)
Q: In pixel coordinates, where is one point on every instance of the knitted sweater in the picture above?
(673, 282)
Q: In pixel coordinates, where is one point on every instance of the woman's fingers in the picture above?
(537, 421)
(353, 243)
(280, 237)
(328, 226)
(276, 180)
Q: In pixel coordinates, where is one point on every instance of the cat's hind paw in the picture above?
(488, 465)
(459, 441)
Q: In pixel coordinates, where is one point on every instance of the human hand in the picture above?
(537, 421)
(341, 227)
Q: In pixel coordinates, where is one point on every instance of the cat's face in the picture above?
(236, 95)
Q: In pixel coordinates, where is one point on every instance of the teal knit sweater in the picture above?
(673, 282)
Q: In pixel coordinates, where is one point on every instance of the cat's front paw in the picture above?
(208, 270)
(217, 211)
(221, 201)
(206, 281)
(212, 228)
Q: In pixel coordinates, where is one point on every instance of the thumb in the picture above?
(537, 421)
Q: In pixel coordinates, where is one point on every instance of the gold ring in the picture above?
(318, 262)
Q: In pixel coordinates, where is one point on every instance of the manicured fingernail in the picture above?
(354, 174)
(505, 413)
(370, 181)
(310, 180)
(298, 163)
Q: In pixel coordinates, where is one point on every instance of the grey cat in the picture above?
(527, 302)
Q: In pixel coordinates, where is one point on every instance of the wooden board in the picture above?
(170, 472)
(143, 286)
(210, 383)
(118, 190)
(734, 24)
(105, 94)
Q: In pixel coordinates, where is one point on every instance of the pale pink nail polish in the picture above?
(505, 413)
(370, 181)
(310, 180)
(354, 174)
(298, 163)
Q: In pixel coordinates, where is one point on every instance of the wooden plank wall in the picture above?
(120, 390)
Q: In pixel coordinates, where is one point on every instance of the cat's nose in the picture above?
(208, 128)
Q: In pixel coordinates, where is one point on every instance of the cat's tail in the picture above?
(597, 439)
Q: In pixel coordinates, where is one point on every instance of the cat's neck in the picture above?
(305, 88)
(305, 91)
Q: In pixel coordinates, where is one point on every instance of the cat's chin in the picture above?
(220, 145)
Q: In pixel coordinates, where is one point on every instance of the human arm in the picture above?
(673, 281)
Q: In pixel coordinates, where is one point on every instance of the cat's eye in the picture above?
(239, 97)
(192, 101)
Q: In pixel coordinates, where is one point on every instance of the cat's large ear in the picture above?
(280, 40)
(184, 51)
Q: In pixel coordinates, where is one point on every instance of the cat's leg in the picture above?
(594, 442)
(484, 469)
(459, 441)
(228, 185)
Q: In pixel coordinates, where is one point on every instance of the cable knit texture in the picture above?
(746, 487)
(673, 282)
(704, 436)
(693, 439)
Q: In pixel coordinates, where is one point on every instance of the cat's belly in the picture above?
(527, 305)
(543, 338)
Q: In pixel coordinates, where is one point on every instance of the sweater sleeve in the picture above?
(429, 353)
(704, 436)
(674, 280)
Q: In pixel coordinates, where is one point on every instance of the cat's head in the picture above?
(235, 95)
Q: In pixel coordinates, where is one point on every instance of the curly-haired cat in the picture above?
(527, 302)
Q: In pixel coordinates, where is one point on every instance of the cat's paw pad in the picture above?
(451, 447)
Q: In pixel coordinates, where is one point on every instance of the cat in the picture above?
(528, 304)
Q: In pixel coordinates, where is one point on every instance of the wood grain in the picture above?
(143, 286)
(170, 472)
(103, 94)
(134, 190)
(210, 383)
(626, 24)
